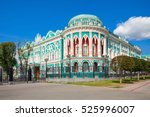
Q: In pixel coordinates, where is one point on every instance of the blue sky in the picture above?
(21, 20)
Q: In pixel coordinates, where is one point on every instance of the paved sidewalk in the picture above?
(55, 91)
(142, 86)
(75, 79)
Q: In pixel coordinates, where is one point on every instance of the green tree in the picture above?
(24, 54)
(122, 64)
(20, 58)
(127, 64)
(116, 66)
(145, 67)
(148, 66)
(137, 66)
(7, 58)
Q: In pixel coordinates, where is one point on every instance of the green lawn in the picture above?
(115, 83)
(102, 83)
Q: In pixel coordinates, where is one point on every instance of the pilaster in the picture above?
(65, 48)
(105, 45)
(80, 44)
(99, 46)
(72, 45)
(120, 49)
(90, 44)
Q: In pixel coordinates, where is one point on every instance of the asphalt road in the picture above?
(49, 91)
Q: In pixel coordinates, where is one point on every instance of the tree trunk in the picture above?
(21, 70)
(27, 70)
(7, 75)
(26, 73)
(11, 74)
(1, 75)
(120, 80)
(29, 74)
(144, 77)
(130, 75)
(138, 76)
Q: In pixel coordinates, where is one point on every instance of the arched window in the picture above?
(50, 56)
(77, 50)
(94, 47)
(76, 47)
(56, 54)
(53, 56)
(76, 67)
(85, 67)
(95, 67)
(85, 46)
(69, 46)
(85, 49)
(43, 50)
(102, 47)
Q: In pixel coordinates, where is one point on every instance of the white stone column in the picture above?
(110, 54)
(90, 44)
(72, 45)
(105, 47)
(120, 49)
(128, 51)
(99, 46)
(80, 44)
(65, 48)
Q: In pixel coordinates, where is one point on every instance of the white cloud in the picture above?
(135, 28)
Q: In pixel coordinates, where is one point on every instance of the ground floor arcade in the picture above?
(72, 68)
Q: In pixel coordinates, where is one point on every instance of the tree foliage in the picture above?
(138, 65)
(7, 55)
(122, 63)
(129, 64)
(24, 54)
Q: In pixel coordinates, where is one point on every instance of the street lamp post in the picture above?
(46, 59)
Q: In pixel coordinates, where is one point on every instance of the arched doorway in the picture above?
(37, 72)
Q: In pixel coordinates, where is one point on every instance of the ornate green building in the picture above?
(83, 49)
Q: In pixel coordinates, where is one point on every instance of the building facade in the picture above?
(146, 57)
(83, 49)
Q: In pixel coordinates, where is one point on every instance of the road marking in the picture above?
(139, 87)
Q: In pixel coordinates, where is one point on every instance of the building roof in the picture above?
(85, 19)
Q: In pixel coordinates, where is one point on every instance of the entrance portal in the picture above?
(37, 73)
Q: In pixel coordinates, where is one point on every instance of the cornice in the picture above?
(124, 42)
(99, 29)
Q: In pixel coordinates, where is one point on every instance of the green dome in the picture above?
(85, 19)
